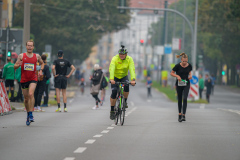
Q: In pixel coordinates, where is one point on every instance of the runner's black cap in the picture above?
(60, 53)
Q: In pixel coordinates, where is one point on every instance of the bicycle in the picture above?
(120, 109)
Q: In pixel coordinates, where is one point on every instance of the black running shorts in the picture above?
(60, 82)
(26, 84)
(9, 82)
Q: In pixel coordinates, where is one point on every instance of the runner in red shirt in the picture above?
(28, 62)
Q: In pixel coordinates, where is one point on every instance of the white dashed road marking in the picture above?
(90, 141)
(105, 131)
(97, 136)
(71, 100)
(132, 104)
(69, 158)
(231, 110)
(110, 127)
(80, 150)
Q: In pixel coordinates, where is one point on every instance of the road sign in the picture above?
(194, 80)
(167, 49)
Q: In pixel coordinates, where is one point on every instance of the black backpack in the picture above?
(104, 82)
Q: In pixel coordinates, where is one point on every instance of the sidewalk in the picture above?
(228, 88)
(70, 94)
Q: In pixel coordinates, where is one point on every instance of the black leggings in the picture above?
(96, 98)
(182, 92)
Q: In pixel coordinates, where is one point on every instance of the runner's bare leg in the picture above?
(31, 101)
(26, 98)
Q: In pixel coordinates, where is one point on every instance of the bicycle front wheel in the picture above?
(116, 115)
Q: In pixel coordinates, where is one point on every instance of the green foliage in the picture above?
(65, 24)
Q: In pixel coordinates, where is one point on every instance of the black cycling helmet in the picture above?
(122, 50)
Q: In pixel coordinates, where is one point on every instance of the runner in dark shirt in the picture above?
(183, 74)
(59, 70)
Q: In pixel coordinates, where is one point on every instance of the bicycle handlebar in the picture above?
(118, 83)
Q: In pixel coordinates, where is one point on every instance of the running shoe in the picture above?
(65, 109)
(31, 118)
(179, 118)
(183, 118)
(101, 103)
(58, 110)
(94, 107)
(112, 115)
(28, 122)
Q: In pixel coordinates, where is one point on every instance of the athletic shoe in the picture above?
(101, 103)
(31, 118)
(28, 122)
(65, 109)
(112, 115)
(179, 118)
(58, 110)
(126, 105)
(35, 109)
(183, 118)
(94, 107)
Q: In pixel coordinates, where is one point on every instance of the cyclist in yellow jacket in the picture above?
(118, 69)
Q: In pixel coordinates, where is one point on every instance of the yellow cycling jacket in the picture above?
(119, 68)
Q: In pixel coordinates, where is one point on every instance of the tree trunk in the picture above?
(219, 77)
(228, 75)
(233, 75)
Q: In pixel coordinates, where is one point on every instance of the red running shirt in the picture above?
(28, 68)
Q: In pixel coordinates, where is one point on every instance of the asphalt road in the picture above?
(151, 130)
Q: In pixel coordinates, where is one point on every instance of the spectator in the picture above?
(213, 82)
(8, 75)
(208, 84)
(46, 96)
(19, 97)
(41, 85)
(77, 76)
(201, 85)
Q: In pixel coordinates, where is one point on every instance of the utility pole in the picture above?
(1, 13)
(183, 31)
(26, 21)
(7, 41)
(195, 38)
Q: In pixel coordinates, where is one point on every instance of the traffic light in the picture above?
(141, 41)
(223, 73)
(9, 54)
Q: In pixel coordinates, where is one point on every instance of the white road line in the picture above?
(126, 115)
(69, 158)
(231, 110)
(113, 125)
(71, 100)
(149, 100)
(90, 141)
(105, 131)
(110, 127)
(80, 150)
(97, 136)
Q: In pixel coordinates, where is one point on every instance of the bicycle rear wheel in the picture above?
(122, 113)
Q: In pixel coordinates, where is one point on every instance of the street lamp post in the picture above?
(193, 50)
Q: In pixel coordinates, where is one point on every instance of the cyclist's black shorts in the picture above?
(9, 82)
(60, 82)
(26, 84)
(124, 79)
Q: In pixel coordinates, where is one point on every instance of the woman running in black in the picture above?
(183, 75)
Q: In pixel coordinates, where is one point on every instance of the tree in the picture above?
(65, 24)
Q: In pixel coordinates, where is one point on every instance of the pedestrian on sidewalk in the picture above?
(19, 97)
(183, 75)
(46, 91)
(59, 70)
(8, 75)
(96, 80)
(41, 85)
(213, 83)
(201, 85)
(208, 84)
(149, 86)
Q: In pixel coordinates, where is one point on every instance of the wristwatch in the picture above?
(133, 79)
